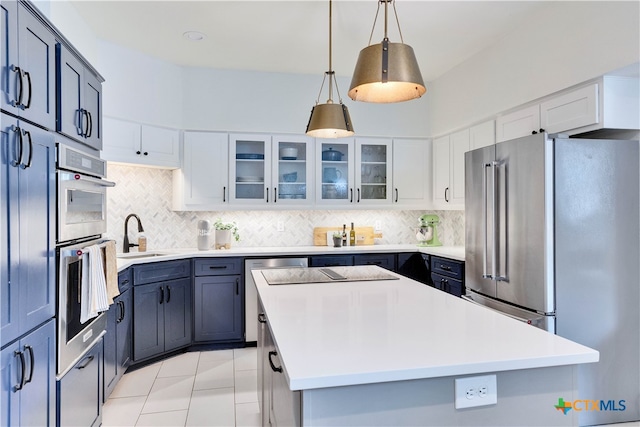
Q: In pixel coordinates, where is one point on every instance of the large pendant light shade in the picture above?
(386, 72)
(329, 120)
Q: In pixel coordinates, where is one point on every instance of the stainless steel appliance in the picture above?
(74, 337)
(82, 198)
(251, 293)
(81, 219)
(553, 239)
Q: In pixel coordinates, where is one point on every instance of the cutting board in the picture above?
(364, 235)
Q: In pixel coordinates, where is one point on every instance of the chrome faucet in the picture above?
(126, 245)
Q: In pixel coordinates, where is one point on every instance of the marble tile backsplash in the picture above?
(147, 192)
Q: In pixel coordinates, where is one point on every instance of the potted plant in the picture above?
(224, 231)
(337, 239)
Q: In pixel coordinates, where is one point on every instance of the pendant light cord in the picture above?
(375, 20)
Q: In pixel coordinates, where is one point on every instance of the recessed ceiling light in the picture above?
(194, 36)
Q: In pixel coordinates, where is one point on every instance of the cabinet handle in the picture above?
(351, 190)
(32, 362)
(90, 126)
(123, 310)
(24, 107)
(24, 166)
(79, 121)
(267, 191)
(85, 132)
(275, 194)
(125, 282)
(16, 102)
(18, 157)
(138, 152)
(224, 194)
(88, 360)
(121, 316)
(274, 353)
(262, 318)
(161, 294)
(237, 286)
(23, 367)
(396, 195)
(446, 194)
(358, 200)
(541, 130)
(373, 262)
(445, 267)
(217, 267)
(168, 294)
(146, 153)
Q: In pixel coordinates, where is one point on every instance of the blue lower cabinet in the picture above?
(80, 391)
(219, 308)
(28, 369)
(161, 317)
(117, 341)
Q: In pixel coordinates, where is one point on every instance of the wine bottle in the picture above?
(344, 234)
(352, 236)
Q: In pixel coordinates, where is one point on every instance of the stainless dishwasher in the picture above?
(251, 294)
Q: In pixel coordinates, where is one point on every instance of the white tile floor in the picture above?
(209, 388)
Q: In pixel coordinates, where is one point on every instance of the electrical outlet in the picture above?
(476, 391)
(280, 225)
(377, 225)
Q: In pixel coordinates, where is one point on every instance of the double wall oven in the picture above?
(81, 220)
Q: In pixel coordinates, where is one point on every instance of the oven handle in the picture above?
(101, 182)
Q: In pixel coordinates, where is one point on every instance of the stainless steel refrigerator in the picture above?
(553, 239)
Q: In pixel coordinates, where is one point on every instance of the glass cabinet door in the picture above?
(336, 169)
(373, 171)
(250, 168)
(292, 173)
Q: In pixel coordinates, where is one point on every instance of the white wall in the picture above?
(566, 44)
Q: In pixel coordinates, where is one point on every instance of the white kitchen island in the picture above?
(388, 352)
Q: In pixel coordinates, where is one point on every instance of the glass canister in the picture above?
(204, 235)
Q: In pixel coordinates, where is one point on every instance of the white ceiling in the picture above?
(292, 36)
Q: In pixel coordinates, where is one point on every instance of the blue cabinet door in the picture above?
(124, 331)
(148, 323)
(219, 302)
(79, 101)
(27, 253)
(9, 56)
(28, 379)
(117, 341)
(177, 314)
(28, 66)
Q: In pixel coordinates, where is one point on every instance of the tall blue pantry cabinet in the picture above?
(30, 93)
(27, 200)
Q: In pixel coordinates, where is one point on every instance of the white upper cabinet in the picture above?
(270, 171)
(202, 183)
(517, 124)
(335, 175)
(482, 135)
(374, 160)
(130, 142)
(611, 102)
(412, 175)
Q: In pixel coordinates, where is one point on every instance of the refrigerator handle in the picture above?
(496, 227)
(485, 201)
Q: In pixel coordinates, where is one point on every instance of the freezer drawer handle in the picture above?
(520, 319)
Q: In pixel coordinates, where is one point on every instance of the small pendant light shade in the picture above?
(386, 72)
(329, 120)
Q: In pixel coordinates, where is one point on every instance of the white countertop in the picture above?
(338, 334)
(453, 252)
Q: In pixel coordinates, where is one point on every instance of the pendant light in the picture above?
(329, 120)
(386, 72)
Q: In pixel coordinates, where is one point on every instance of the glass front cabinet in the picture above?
(354, 171)
(270, 170)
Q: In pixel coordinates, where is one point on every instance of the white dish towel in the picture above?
(94, 286)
